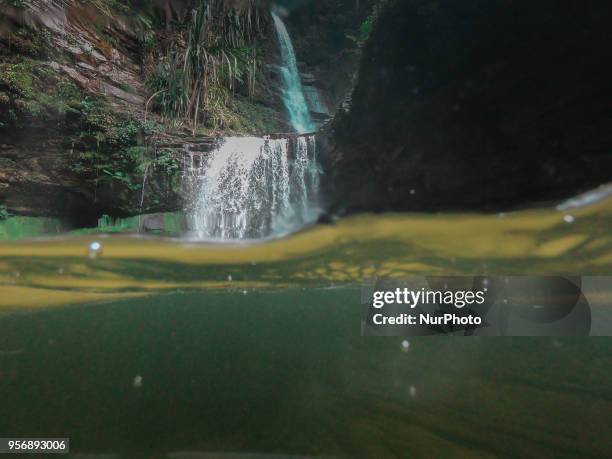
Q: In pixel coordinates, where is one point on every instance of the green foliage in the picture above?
(118, 142)
(112, 6)
(4, 213)
(122, 155)
(29, 41)
(219, 57)
(121, 176)
(14, 3)
(111, 150)
(254, 117)
(108, 127)
(118, 5)
(366, 28)
(367, 25)
(33, 89)
(128, 167)
(166, 161)
(148, 41)
(113, 146)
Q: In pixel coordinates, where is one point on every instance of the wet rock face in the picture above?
(80, 135)
(326, 36)
(476, 105)
(63, 67)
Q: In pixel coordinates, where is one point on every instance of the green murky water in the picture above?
(167, 348)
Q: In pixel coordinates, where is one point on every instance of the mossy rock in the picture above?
(32, 89)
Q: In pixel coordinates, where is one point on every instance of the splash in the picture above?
(252, 188)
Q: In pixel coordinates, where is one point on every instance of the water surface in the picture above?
(157, 347)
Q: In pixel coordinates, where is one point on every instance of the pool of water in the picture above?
(145, 346)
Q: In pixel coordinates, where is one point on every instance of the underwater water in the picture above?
(140, 346)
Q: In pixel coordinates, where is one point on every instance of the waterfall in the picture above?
(293, 94)
(251, 188)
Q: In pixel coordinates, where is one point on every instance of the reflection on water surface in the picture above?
(60, 270)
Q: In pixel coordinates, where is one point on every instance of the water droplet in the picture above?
(405, 345)
(244, 292)
(137, 382)
(413, 192)
(412, 391)
(569, 219)
(94, 249)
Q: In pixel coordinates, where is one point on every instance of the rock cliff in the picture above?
(475, 105)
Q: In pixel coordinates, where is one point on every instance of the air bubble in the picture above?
(94, 249)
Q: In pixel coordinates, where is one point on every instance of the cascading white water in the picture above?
(293, 94)
(250, 188)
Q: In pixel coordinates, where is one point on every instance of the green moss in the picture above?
(120, 155)
(14, 3)
(118, 141)
(4, 213)
(113, 146)
(16, 227)
(108, 127)
(256, 118)
(118, 6)
(29, 88)
(28, 41)
(110, 151)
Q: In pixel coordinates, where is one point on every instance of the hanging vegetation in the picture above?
(213, 55)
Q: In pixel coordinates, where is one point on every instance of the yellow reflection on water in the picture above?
(56, 271)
